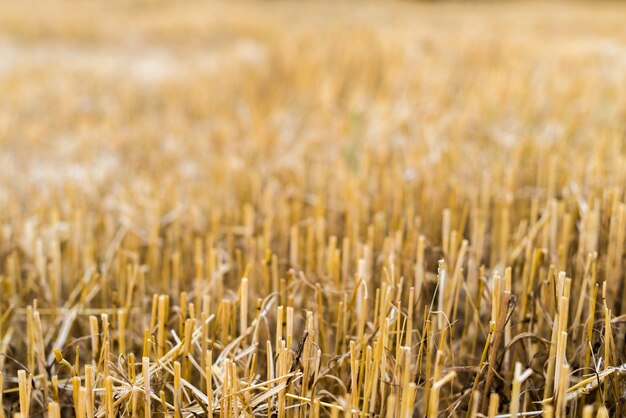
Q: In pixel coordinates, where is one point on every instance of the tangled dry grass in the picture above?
(312, 209)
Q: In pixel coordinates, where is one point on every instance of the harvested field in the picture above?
(325, 209)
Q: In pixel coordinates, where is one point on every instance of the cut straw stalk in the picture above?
(518, 379)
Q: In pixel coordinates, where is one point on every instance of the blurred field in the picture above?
(308, 208)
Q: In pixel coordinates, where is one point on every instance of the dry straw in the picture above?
(287, 212)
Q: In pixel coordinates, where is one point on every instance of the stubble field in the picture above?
(290, 209)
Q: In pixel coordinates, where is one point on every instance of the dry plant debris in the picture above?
(312, 209)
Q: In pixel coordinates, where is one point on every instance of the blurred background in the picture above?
(121, 101)
(98, 90)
